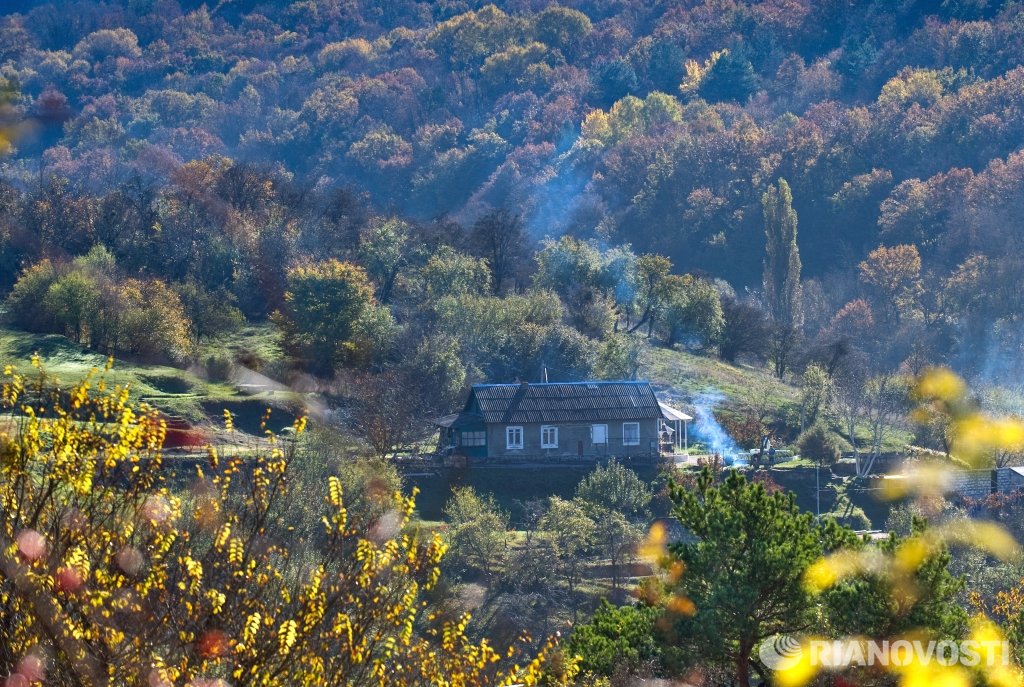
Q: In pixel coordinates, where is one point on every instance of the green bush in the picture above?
(818, 444)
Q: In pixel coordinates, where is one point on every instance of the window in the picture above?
(473, 439)
(630, 433)
(599, 434)
(513, 437)
(548, 437)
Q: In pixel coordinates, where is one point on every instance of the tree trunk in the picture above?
(743, 665)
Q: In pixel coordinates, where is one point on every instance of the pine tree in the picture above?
(744, 570)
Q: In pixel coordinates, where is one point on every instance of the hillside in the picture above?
(418, 196)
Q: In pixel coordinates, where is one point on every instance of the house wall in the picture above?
(571, 436)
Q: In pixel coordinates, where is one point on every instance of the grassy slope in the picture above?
(684, 376)
(182, 392)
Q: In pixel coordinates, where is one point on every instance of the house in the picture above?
(558, 421)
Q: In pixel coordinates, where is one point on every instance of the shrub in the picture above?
(818, 444)
(110, 576)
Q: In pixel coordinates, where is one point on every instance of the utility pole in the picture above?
(817, 487)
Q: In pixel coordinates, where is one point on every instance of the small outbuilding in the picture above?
(557, 421)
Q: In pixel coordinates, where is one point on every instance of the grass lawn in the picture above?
(176, 391)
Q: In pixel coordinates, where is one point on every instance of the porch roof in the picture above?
(673, 414)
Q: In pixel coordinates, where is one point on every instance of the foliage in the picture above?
(872, 604)
(617, 640)
(88, 301)
(108, 574)
(477, 531)
(782, 257)
(745, 330)
(616, 488)
(818, 444)
(692, 313)
(331, 315)
(570, 531)
(895, 273)
(744, 571)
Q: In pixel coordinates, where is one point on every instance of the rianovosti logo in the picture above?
(784, 653)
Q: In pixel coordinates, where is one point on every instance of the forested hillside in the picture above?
(463, 170)
(792, 216)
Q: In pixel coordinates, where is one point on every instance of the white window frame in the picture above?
(548, 436)
(592, 438)
(513, 431)
(636, 441)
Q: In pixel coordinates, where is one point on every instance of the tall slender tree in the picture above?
(782, 273)
(782, 257)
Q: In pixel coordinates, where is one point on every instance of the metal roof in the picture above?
(673, 414)
(458, 420)
(565, 402)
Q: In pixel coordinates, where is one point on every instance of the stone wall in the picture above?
(975, 484)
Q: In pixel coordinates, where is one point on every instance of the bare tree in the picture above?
(848, 403)
(499, 238)
(385, 414)
(882, 400)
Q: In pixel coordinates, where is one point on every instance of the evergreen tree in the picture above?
(731, 77)
(744, 569)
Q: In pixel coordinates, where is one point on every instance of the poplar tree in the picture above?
(782, 273)
(782, 257)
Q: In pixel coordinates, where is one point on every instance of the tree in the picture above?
(692, 309)
(782, 257)
(848, 399)
(885, 399)
(327, 306)
(782, 272)
(617, 538)
(651, 274)
(385, 249)
(875, 603)
(477, 531)
(570, 531)
(498, 236)
(109, 574)
(731, 77)
(618, 640)
(209, 313)
(151, 321)
(613, 81)
(28, 293)
(895, 275)
(563, 28)
(815, 388)
(387, 413)
(616, 488)
(745, 330)
(73, 301)
(619, 358)
(451, 273)
(818, 444)
(745, 567)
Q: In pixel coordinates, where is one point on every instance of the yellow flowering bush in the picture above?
(113, 574)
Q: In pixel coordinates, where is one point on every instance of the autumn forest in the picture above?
(252, 251)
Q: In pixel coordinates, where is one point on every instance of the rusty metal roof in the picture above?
(565, 402)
